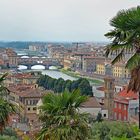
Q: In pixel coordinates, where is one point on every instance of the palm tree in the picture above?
(5, 106)
(61, 117)
(125, 44)
(3, 90)
(5, 109)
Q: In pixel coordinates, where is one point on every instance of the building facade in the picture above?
(125, 105)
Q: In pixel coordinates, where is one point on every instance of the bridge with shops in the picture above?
(32, 61)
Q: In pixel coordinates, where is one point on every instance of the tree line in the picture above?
(60, 85)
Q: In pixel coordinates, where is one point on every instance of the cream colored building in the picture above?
(26, 97)
(100, 68)
(120, 71)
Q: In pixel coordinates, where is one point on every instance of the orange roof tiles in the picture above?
(20, 75)
(25, 91)
(125, 96)
(130, 94)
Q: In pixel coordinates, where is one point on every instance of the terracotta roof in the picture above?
(31, 93)
(125, 96)
(91, 103)
(26, 90)
(21, 75)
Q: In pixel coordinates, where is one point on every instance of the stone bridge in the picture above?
(46, 62)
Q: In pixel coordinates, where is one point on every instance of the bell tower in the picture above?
(109, 95)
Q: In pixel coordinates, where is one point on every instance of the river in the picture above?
(54, 74)
(57, 74)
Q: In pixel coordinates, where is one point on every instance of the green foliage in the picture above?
(5, 109)
(5, 106)
(119, 138)
(61, 117)
(59, 85)
(3, 90)
(7, 137)
(9, 132)
(114, 131)
(125, 38)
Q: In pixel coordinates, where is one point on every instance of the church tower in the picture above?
(109, 95)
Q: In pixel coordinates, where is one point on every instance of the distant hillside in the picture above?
(19, 45)
(25, 45)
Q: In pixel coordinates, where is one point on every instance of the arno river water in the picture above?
(52, 73)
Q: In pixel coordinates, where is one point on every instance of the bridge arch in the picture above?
(36, 67)
(35, 57)
(22, 67)
(25, 56)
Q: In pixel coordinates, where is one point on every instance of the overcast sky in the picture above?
(58, 20)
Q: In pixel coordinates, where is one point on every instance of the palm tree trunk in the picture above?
(139, 109)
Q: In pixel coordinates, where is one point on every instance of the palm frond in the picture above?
(61, 118)
(133, 62)
(119, 57)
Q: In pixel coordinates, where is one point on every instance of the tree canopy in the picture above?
(60, 85)
(114, 131)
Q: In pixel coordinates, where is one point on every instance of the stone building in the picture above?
(109, 95)
(26, 97)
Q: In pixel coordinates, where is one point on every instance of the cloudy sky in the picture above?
(58, 20)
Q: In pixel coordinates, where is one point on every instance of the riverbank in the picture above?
(78, 75)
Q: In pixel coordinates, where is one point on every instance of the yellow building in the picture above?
(100, 68)
(68, 60)
(120, 71)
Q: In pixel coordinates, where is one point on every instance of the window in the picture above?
(115, 105)
(26, 102)
(124, 107)
(120, 106)
(28, 108)
(104, 115)
(30, 102)
(34, 108)
(35, 102)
